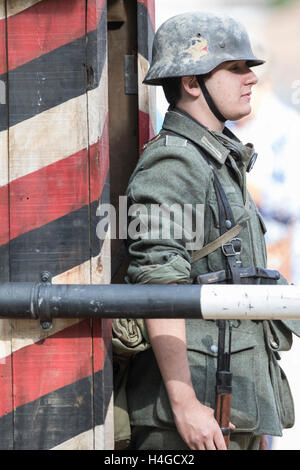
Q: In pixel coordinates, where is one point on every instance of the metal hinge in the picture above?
(130, 75)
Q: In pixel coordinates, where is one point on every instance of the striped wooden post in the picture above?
(56, 387)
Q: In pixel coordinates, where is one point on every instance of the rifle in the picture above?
(223, 381)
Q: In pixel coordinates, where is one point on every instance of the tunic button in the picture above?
(214, 348)
(273, 343)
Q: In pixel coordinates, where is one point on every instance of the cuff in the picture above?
(177, 269)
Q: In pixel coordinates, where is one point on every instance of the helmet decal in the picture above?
(197, 49)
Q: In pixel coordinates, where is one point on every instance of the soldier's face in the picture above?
(230, 86)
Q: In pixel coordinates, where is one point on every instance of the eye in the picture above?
(234, 68)
(238, 67)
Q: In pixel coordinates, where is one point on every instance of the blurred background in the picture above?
(274, 129)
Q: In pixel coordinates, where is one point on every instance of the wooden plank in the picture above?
(4, 176)
(123, 109)
(6, 421)
(16, 6)
(99, 189)
(147, 104)
(46, 18)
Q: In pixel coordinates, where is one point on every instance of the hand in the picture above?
(198, 427)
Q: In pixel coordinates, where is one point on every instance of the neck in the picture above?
(202, 114)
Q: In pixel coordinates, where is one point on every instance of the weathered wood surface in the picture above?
(147, 102)
(56, 386)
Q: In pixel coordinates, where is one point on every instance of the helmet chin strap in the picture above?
(209, 99)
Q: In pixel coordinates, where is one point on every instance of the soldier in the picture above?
(203, 61)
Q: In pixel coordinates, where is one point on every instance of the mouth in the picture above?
(247, 95)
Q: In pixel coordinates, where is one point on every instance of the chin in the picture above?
(239, 115)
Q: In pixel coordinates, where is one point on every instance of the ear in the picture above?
(191, 86)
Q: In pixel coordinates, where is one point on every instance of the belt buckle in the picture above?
(232, 251)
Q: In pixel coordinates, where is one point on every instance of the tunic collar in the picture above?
(217, 144)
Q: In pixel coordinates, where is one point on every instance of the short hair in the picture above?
(172, 89)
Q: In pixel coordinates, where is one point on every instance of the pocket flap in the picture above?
(204, 338)
(262, 222)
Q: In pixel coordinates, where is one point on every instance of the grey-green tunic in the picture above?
(172, 171)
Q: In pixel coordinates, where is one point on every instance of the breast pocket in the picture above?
(216, 259)
(261, 222)
(259, 229)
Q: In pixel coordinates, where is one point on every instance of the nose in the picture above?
(251, 78)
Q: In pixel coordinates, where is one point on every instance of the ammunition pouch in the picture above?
(248, 275)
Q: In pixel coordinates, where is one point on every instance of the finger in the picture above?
(195, 444)
(232, 426)
(198, 446)
(219, 440)
(210, 445)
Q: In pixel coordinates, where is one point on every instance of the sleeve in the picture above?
(166, 214)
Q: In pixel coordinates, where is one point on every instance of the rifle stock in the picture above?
(223, 382)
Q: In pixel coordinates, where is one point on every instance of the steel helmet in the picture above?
(195, 43)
